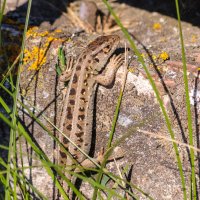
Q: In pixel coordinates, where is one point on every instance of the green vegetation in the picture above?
(12, 175)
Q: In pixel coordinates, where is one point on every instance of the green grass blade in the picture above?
(4, 147)
(24, 182)
(109, 143)
(141, 60)
(13, 133)
(189, 115)
(94, 183)
(111, 134)
(43, 158)
(10, 69)
(43, 126)
(7, 121)
(23, 185)
(8, 175)
(5, 89)
(1, 18)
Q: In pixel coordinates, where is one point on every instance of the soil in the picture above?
(151, 160)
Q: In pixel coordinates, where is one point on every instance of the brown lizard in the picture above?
(77, 112)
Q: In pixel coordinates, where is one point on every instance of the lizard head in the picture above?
(102, 48)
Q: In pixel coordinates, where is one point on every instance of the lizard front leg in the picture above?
(111, 69)
(65, 76)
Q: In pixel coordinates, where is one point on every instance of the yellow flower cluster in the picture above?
(37, 56)
(131, 70)
(143, 55)
(58, 31)
(164, 56)
(194, 38)
(157, 26)
(33, 32)
(154, 57)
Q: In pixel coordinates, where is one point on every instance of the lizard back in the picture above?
(77, 113)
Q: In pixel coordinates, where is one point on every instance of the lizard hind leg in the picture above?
(87, 163)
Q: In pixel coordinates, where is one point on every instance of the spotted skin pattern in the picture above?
(78, 102)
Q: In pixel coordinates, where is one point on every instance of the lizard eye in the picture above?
(106, 49)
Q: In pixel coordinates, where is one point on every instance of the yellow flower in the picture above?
(164, 56)
(50, 39)
(194, 38)
(157, 26)
(154, 57)
(131, 70)
(159, 67)
(58, 31)
(163, 39)
(42, 34)
(36, 57)
(31, 31)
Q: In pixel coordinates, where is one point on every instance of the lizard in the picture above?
(78, 101)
